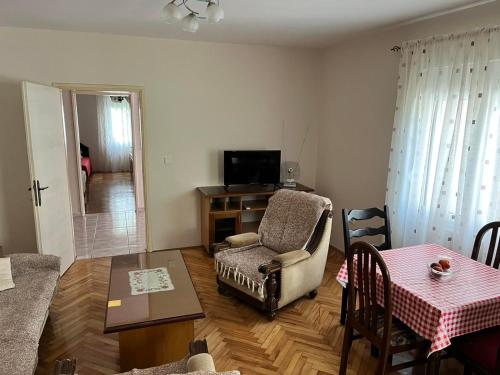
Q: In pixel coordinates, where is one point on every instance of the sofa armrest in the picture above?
(243, 239)
(201, 362)
(29, 263)
(292, 257)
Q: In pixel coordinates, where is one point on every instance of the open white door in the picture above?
(44, 122)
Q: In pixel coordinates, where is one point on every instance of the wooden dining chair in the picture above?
(491, 259)
(351, 216)
(370, 320)
(480, 351)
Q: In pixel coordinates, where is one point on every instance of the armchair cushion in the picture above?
(242, 264)
(292, 257)
(243, 239)
(290, 219)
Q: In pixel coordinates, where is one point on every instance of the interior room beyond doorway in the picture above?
(107, 195)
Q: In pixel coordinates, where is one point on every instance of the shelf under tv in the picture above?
(243, 204)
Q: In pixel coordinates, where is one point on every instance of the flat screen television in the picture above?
(252, 167)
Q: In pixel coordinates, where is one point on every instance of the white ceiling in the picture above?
(311, 23)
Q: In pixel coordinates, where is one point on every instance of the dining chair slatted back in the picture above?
(362, 263)
(367, 259)
(387, 335)
(352, 215)
(493, 254)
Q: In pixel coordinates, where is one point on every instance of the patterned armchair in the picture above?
(198, 362)
(285, 260)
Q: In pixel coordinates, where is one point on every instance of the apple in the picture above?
(445, 263)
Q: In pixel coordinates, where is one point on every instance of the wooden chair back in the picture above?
(362, 263)
(350, 215)
(494, 246)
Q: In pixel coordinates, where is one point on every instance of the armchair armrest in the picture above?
(271, 273)
(243, 239)
(292, 257)
(269, 268)
(201, 362)
(29, 263)
(199, 359)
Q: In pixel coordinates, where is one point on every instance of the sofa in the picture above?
(24, 311)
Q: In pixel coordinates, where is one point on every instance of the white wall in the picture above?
(200, 98)
(360, 78)
(17, 225)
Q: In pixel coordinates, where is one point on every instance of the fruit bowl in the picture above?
(444, 268)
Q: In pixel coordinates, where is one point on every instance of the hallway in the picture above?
(111, 226)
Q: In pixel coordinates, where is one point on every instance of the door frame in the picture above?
(76, 133)
(99, 89)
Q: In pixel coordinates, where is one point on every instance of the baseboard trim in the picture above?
(197, 247)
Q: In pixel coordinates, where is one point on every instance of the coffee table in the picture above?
(152, 304)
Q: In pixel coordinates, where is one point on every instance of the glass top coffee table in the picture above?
(152, 304)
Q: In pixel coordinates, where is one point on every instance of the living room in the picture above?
(317, 82)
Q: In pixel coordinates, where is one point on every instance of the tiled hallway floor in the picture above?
(108, 234)
(111, 226)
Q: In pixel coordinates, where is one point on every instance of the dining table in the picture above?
(439, 309)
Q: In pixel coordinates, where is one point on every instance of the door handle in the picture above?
(39, 189)
(33, 189)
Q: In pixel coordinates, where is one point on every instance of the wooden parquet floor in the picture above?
(111, 192)
(305, 338)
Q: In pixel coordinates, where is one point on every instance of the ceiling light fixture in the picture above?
(174, 11)
(190, 23)
(171, 13)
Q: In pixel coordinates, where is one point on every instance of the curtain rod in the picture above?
(475, 31)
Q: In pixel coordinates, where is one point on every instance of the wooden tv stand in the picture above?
(235, 209)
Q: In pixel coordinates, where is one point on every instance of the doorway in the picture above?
(105, 170)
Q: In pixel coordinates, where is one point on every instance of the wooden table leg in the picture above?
(155, 345)
(433, 363)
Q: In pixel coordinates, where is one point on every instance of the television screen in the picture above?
(251, 167)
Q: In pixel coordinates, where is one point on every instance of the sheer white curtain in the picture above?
(444, 170)
(114, 134)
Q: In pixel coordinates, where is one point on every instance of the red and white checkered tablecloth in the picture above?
(439, 309)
